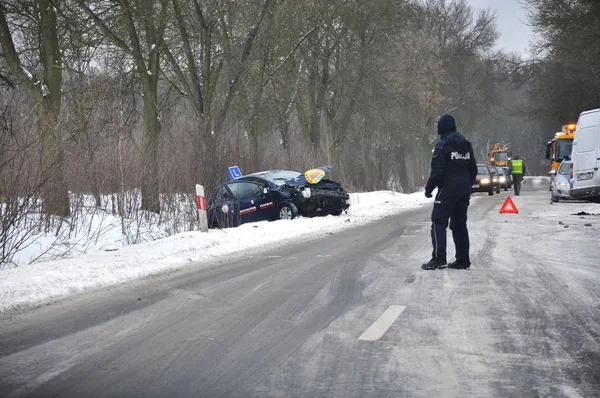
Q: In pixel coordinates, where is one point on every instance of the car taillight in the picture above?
(571, 171)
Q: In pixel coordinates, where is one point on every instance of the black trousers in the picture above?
(454, 208)
(517, 179)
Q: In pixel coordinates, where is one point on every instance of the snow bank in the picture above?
(92, 228)
(30, 285)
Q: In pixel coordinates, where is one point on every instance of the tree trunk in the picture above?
(47, 93)
(150, 182)
(94, 177)
(254, 152)
(56, 196)
(317, 108)
(284, 127)
(55, 192)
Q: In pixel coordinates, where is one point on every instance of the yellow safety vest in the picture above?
(517, 166)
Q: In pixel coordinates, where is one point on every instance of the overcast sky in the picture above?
(515, 35)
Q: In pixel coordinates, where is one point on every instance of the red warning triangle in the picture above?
(509, 207)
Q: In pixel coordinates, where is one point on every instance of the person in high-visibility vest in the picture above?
(517, 169)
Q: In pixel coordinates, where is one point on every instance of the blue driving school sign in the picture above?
(234, 172)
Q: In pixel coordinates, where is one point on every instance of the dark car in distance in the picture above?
(276, 195)
(484, 181)
(509, 181)
(496, 177)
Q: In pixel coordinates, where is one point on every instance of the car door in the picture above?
(221, 208)
(249, 198)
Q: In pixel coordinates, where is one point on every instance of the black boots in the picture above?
(434, 263)
(438, 263)
(458, 265)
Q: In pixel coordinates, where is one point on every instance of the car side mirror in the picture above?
(552, 172)
(265, 190)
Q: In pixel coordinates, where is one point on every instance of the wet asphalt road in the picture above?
(308, 321)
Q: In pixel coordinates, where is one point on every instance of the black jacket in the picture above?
(453, 166)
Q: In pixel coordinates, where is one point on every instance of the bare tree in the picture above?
(37, 23)
(139, 32)
(566, 77)
(211, 76)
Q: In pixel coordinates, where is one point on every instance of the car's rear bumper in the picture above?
(582, 193)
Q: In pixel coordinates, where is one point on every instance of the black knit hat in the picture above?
(446, 124)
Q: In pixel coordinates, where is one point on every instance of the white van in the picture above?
(586, 156)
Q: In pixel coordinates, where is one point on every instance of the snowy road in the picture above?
(350, 315)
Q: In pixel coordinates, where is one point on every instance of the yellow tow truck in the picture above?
(561, 146)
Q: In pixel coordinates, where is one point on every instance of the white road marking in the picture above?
(382, 324)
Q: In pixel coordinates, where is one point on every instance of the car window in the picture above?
(565, 168)
(501, 156)
(242, 190)
(483, 170)
(219, 195)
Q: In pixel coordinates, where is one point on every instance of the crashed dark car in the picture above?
(276, 195)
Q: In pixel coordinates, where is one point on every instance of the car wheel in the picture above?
(506, 187)
(491, 193)
(288, 211)
(498, 189)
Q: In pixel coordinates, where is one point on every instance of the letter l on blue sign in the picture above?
(234, 172)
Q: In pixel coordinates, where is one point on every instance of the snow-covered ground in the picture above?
(107, 259)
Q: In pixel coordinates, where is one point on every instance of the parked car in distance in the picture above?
(276, 195)
(561, 181)
(483, 182)
(503, 178)
(495, 173)
(509, 180)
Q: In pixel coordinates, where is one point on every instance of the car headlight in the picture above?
(485, 181)
(503, 179)
(562, 183)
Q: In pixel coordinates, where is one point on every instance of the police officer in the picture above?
(453, 172)
(517, 169)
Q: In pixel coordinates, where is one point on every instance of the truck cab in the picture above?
(561, 146)
(499, 156)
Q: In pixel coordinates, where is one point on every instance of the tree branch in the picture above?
(291, 53)
(12, 58)
(105, 29)
(135, 40)
(7, 81)
(245, 54)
